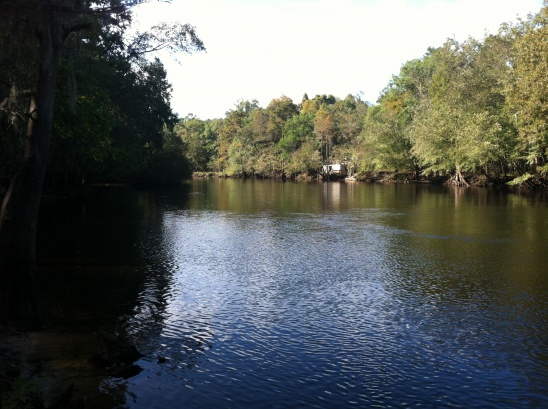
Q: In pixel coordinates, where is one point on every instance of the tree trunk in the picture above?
(459, 178)
(19, 214)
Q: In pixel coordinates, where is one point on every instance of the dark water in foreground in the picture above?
(281, 295)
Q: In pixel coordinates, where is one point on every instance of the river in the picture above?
(263, 294)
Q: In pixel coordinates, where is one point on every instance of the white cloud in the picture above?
(264, 49)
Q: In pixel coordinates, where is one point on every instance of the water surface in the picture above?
(283, 295)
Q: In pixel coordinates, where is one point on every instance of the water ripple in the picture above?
(337, 310)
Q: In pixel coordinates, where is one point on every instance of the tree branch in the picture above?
(75, 27)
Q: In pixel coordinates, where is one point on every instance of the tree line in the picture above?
(469, 112)
(112, 112)
(466, 112)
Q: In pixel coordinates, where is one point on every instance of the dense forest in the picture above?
(467, 112)
(470, 112)
(112, 113)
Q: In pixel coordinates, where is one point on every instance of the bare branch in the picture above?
(175, 37)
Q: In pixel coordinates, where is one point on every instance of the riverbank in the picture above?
(379, 176)
(51, 368)
(66, 364)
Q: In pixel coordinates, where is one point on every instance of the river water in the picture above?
(263, 294)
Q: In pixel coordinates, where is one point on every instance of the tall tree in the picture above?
(198, 138)
(296, 131)
(42, 27)
(386, 137)
(279, 111)
(324, 128)
(457, 128)
(50, 24)
(527, 101)
(235, 143)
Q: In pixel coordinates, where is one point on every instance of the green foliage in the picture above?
(267, 164)
(112, 102)
(464, 109)
(528, 87)
(83, 125)
(198, 139)
(385, 144)
(459, 126)
(521, 179)
(278, 112)
(235, 127)
(296, 130)
(114, 128)
(325, 130)
(349, 116)
(306, 159)
(319, 101)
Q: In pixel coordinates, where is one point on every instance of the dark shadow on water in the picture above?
(94, 257)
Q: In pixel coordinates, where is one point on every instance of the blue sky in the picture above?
(263, 49)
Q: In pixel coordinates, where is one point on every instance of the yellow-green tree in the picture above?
(324, 128)
(527, 97)
(385, 142)
(459, 128)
